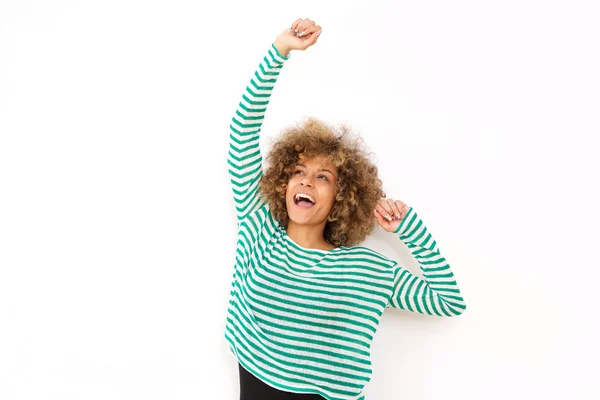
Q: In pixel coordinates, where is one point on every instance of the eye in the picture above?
(297, 171)
(323, 176)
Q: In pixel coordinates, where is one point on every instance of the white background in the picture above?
(117, 231)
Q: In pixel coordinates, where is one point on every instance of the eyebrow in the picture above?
(322, 169)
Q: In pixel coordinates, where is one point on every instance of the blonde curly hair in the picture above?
(358, 189)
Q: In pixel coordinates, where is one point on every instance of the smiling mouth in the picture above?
(303, 202)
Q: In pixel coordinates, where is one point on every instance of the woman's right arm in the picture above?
(244, 158)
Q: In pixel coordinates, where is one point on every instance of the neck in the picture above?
(308, 236)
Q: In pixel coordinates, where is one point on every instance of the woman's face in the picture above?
(317, 178)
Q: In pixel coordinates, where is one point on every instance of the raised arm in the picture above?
(244, 157)
(438, 294)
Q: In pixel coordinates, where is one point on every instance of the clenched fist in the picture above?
(300, 36)
(389, 213)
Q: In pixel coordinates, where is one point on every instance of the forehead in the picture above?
(317, 162)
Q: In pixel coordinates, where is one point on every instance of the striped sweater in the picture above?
(302, 320)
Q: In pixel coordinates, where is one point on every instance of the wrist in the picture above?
(283, 50)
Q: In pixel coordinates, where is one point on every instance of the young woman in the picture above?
(306, 299)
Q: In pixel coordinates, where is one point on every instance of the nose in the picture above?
(306, 182)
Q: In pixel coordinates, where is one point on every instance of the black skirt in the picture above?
(252, 388)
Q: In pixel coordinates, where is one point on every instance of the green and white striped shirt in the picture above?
(302, 320)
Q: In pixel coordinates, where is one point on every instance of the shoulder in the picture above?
(258, 219)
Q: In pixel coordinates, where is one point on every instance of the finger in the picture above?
(382, 221)
(310, 39)
(395, 209)
(377, 215)
(381, 210)
(311, 29)
(296, 23)
(304, 24)
(318, 35)
(385, 204)
(403, 207)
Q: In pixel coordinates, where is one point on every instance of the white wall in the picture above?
(117, 230)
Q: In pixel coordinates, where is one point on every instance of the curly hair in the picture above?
(358, 188)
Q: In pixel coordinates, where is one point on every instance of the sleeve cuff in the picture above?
(279, 54)
(406, 221)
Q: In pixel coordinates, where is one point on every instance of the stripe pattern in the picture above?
(302, 320)
(438, 294)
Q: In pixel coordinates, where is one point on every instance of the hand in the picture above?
(389, 213)
(307, 35)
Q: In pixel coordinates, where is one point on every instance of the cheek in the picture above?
(289, 191)
(290, 184)
(330, 195)
(291, 181)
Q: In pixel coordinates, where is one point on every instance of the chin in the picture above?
(301, 217)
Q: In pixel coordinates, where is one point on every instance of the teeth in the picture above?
(306, 196)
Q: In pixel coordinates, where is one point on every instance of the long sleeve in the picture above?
(437, 294)
(244, 157)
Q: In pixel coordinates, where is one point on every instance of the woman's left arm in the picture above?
(437, 294)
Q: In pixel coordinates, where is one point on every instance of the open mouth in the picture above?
(304, 201)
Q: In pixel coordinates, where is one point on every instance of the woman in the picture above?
(306, 300)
